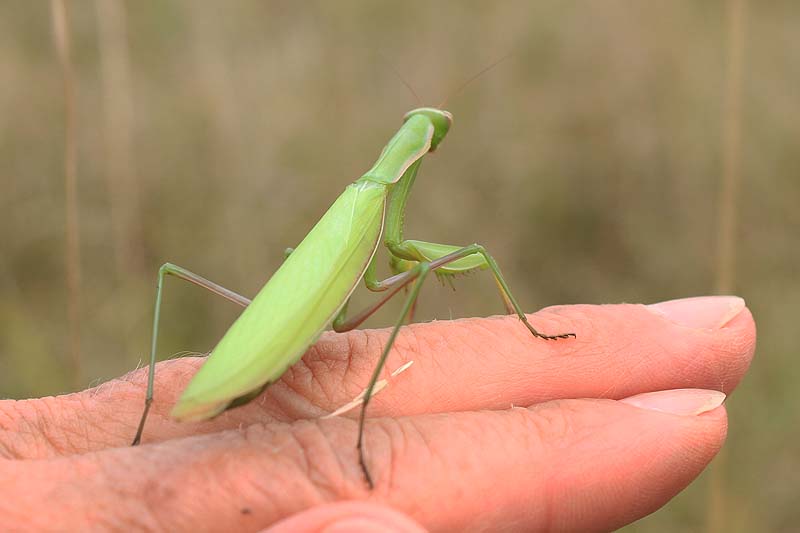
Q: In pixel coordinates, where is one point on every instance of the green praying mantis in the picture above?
(311, 289)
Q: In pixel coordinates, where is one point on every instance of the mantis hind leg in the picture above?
(179, 272)
(466, 265)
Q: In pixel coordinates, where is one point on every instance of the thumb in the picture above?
(348, 517)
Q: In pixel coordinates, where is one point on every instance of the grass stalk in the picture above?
(736, 14)
(61, 38)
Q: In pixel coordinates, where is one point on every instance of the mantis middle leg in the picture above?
(418, 274)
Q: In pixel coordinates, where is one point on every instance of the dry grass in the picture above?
(61, 39)
(730, 184)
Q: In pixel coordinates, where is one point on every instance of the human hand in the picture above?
(480, 433)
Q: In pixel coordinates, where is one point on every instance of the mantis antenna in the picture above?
(474, 77)
(402, 80)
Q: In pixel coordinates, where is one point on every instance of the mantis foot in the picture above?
(548, 337)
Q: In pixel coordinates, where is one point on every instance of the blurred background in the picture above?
(627, 151)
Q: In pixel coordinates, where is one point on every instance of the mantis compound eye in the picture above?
(441, 120)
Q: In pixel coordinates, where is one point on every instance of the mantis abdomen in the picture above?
(309, 289)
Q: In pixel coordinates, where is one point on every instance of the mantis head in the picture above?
(440, 118)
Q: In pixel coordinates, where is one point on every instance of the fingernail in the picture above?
(684, 402)
(707, 312)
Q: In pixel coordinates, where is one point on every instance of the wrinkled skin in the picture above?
(483, 432)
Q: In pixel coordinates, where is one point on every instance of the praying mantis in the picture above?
(311, 289)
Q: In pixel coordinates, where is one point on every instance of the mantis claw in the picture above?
(548, 337)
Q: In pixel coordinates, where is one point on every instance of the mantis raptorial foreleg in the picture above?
(479, 259)
(437, 255)
(432, 250)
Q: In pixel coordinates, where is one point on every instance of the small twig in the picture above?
(358, 400)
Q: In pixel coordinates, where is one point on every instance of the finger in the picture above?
(494, 363)
(569, 465)
(459, 365)
(348, 517)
